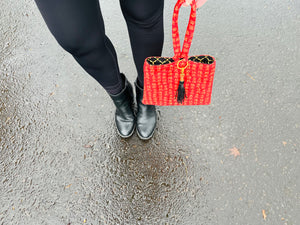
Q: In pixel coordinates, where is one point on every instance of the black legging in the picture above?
(78, 27)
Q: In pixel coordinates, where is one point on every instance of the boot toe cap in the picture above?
(125, 129)
(145, 131)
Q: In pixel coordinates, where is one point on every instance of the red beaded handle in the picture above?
(189, 32)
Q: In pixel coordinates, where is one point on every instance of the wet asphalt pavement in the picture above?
(62, 162)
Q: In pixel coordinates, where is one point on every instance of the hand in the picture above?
(199, 3)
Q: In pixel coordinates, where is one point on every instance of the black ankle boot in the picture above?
(146, 116)
(124, 115)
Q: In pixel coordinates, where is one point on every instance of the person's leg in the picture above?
(78, 27)
(144, 20)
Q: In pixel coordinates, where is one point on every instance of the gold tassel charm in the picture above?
(180, 93)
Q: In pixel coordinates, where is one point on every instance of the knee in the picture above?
(144, 14)
(80, 44)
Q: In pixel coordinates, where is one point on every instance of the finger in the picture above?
(200, 3)
(187, 3)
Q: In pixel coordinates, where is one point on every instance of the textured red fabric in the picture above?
(161, 81)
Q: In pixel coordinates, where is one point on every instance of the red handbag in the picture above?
(179, 80)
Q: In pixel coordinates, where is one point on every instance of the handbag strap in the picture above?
(189, 32)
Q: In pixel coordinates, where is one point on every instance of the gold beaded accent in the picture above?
(159, 60)
(205, 59)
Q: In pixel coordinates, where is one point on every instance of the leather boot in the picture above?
(124, 115)
(146, 116)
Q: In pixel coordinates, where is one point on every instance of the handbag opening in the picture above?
(205, 59)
